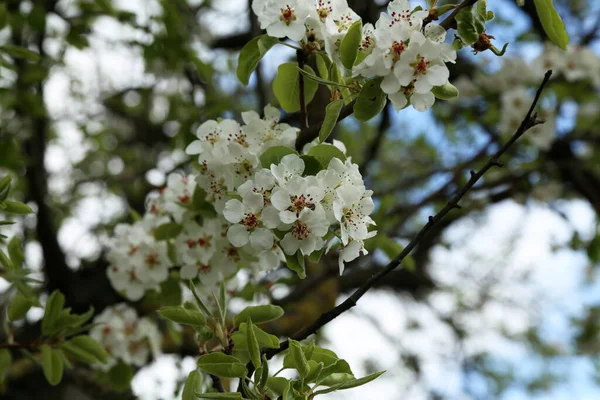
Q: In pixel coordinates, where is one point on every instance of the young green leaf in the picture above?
(52, 364)
(470, 24)
(18, 307)
(332, 113)
(120, 376)
(299, 359)
(219, 396)
(5, 187)
(445, 92)
(312, 166)
(264, 339)
(324, 152)
(19, 52)
(370, 101)
(15, 252)
(296, 263)
(183, 316)
(54, 306)
(350, 44)
(220, 364)
(286, 86)
(552, 23)
(5, 261)
(264, 373)
(251, 54)
(273, 155)
(259, 314)
(90, 346)
(16, 207)
(253, 347)
(193, 385)
(78, 353)
(167, 231)
(350, 383)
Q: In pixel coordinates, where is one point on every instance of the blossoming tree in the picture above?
(261, 198)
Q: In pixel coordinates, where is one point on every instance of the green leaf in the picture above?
(332, 113)
(54, 306)
(322, 81)
(350, 44)
(20, 53)
(223, 301)
(351, 383)
(217, 396)
(552, 23)
(296, 263)
(259, 314)
(120, 376)
(444, 9)
(78, 353)
(5, 361)
(167, 231)
(301, 364)
(286, 87)
(220, 364)
(90, 346)
(312, 166)
(252, 344)
(52, 364)
(470, 24)
(273, 155)
(371, 100)
(183, 316)
(16, 207)
(263, 373)
(5, 187)
(323, 65)
(251, 54)
(18, 307)
(15, 252)
(5, 261)
(324, 152)
(193, 385)
(264, 339)
(445, 92)
(315, 371)
(278, 385)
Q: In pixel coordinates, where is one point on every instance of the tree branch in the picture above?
(529, 122)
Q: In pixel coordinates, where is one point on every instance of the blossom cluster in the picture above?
(243, 209)
(408, 55)
(125, 336)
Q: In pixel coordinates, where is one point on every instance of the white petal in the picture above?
(261, 239)
(234, 211)
(238, 235)
(194, 148)
(270, 217)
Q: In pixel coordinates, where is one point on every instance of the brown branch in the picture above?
(529, 122)
(217, 384)
(18, 346)
(373, 148)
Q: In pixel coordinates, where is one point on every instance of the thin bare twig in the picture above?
(529, 122)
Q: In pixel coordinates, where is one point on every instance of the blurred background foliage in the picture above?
(98, 98)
